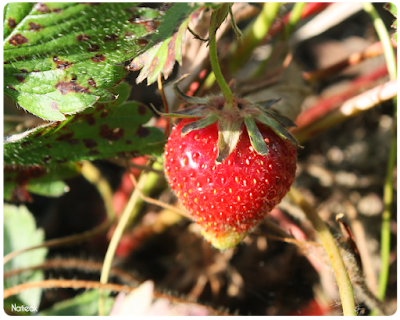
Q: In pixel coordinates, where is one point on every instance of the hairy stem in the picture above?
(112, 247)
(339, 268)
(226, 91)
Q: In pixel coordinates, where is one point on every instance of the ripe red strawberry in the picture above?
(228, 198)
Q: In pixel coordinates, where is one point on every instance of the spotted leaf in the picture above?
(61, 58)
(106, 130)
(20, 181)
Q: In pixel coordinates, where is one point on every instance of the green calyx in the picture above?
(232, 121)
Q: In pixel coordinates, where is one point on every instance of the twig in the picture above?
(70, 240)
(80, 264)
(350, 108)
(339, 268)
(355, 58)
(85, 284)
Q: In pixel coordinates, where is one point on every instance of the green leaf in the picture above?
(14, 12)
(107, 130)
(165, 46)
(18, 181)
(391, 7)
(85, 304)
(19, 233)
(61, 58)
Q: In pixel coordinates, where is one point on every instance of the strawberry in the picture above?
(229, 167)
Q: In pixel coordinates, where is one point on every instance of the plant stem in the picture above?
(215, 65)
(294, 17)
(339, 268)
(385, 39)
(388, 187)
(253, 35)
(123, 221)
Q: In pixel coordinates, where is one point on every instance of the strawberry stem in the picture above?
(226, 91)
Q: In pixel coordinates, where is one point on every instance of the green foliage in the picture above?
(391, 7)
(107, 130)
(19, 233)
(61, 58)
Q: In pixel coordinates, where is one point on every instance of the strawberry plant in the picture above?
(258, 194)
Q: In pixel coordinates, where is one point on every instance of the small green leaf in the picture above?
(18, 181)
(107, 130)
(19, 233)
(391, 7)
(60, 58)
(165, 45)
(84, 304)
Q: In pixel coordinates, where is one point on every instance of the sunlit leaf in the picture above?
(165, 46)
(61, 58)
(19, 233)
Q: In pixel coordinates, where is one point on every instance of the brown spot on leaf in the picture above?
(65, 137)
(89, 118)
(93, 152)
(24, 174)
(89, 143)
(46, 159)
(142, 42)
(39, 134)
(67, 87)
(99, 107)
(17, 40)
(154, 64)
(110, 37)
(82, 37)
(98, 58)
(24, 70)
(91, 82)
(104, 114)
(61, 64)
(20, 78)
(149, 24)
(26, 143)
(142, 132)
(170, 61)
(142, 110)
(57, 10)
(49, 146)
(19, 194)
(111, 134)
(93, 48)
(60, 161)
(41, 7)
(53, 106)
(34, 26)
(11, 23)
(11, 87)
(128, 142)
